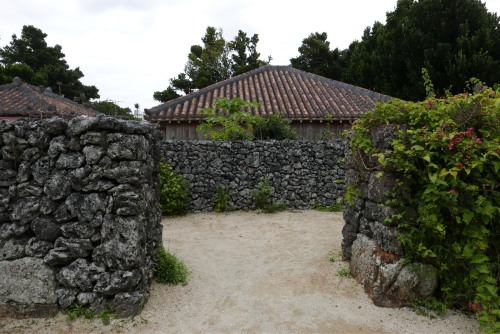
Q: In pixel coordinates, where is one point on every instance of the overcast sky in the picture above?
(130, 48)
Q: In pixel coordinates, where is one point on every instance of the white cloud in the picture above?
(129, 49)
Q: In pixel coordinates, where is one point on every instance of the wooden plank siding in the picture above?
(184, 130)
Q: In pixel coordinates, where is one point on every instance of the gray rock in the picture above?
(121, 243)
(81, 123)
(62, 214)
(77, 230)
(128, 203)
(26, 189)
(380, 272)
(6, 174)
(13, 249)
(39, 139)
(98, 305)
(54, 125)
(70, 160)
(31, 154)
(27, 281)
(12, 230)
(127, 147)
(74, 144)
(85, 206)
(351, 215)
(387, 239)
(41, 170)
(38, 248)
(128, 304)
(382, 136)
(93, 154)
(58, 186)
(128, 172)
(77, 275)
(66, 296)
(85, 298)
(119, 281)
(367, 227)
(23, 172)
(99, 186)
(67, 250)
(58, 145)
(94, 138)
(47, 205)
(26, 209)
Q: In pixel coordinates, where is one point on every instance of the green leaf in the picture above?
(467, 217)
(427, 158)
(479, 258)
(418, 148)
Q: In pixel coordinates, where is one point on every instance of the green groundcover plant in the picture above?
(448, 150)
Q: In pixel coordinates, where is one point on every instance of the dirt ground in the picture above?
(258, 273)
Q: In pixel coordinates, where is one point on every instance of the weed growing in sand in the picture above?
(344, 273)
(430, 303)
(170, 269)
(75, 311)
(276, 208)
(263, 193)
(332, 208)
(221, 198)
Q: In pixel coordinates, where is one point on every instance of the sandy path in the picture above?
(258, 273)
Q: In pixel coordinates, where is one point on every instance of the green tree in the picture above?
(215, 61)
(316, 57)
(109, 108)
(245, 57)
(30, 58)
(453, 40)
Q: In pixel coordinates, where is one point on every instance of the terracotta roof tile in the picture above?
(24, 99)
(295, 93)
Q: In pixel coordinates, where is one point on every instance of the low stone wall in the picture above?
(79, 214)
(301, 172)
(371, 244)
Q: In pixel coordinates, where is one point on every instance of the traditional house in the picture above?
(21, 100)
(308, 100)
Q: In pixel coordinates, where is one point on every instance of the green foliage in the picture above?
(36, 63)
(449, 152)
(430, 303)
(170, 269)
(344, 273)
(453, 40)
(274, 127)
(75, 311)
(215, 61)
(316, 57)
(263, 194)
(276, 207)
(237, 124)
(332, 208)
(110, 108)
(222, 197)
(174, 197)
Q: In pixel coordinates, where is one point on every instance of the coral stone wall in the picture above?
(301, 172)
(371, 244)
(79, 214)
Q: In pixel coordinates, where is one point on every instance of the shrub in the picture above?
(222, 197)
(170, 269)
(332, 208)
(448, 150)
(174, 197)
(237, 124)
(263, 194)
(274, 127)
(276, 207)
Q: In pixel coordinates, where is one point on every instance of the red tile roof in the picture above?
(24, 99)
(297, 94)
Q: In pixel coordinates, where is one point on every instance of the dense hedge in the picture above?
(448, 151)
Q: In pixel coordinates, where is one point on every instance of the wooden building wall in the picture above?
(184, 130)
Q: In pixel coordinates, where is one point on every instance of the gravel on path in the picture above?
(258, 273)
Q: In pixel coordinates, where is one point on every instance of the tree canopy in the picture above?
(454, 40)
(215, 61)
(36, 63)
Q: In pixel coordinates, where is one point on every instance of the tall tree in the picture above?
(316, 57)
(453, 39)
(30, 58)
(216, 60)
(245, 57)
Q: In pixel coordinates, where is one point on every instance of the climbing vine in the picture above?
(448, 150)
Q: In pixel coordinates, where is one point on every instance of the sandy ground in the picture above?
(258, 273)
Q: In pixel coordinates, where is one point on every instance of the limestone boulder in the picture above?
(386, 280)
(68, 249)
(28, 281)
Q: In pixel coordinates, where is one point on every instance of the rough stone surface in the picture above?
(78, 197)
(128, 304)
(27, 281)
(301, 172)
